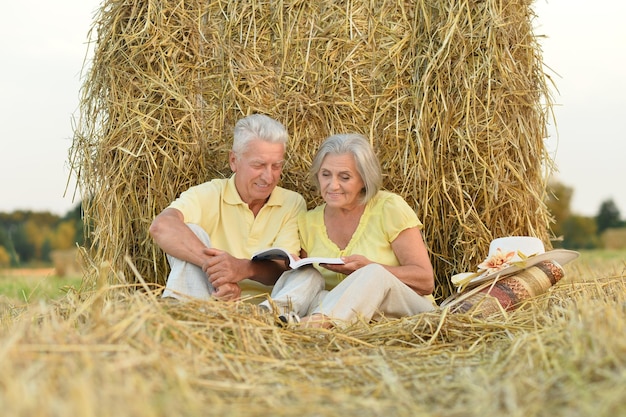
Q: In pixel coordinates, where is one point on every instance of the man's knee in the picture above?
(200, 233)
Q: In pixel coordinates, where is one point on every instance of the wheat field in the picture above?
(113, 350)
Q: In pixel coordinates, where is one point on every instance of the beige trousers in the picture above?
(369, 293)
(296, 291)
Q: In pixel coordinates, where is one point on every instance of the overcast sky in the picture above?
(44, 45)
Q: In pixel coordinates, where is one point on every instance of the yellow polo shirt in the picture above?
(217, 207)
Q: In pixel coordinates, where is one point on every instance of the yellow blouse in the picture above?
(385, 216)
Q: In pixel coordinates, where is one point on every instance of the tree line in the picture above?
(28, 237)
(574, 231)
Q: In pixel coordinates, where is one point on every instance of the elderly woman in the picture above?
(387, 271)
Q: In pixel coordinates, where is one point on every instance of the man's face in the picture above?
(258, 170)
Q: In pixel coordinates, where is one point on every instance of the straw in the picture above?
(452, 94)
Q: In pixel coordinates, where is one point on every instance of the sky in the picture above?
(44, 46)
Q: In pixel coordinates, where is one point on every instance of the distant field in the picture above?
(31, 284)
(599, 262)
(613, 256)
(34, 284)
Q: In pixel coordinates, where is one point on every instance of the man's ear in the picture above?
(232, 159)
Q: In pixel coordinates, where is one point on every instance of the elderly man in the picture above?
(210, 232)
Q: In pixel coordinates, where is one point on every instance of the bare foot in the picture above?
(318, 321)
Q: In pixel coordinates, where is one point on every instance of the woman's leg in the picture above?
(296, 291)
(369, 293)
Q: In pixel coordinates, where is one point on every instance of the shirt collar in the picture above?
(231, 195)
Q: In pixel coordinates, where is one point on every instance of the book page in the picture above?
(280, 253)
(315, 260)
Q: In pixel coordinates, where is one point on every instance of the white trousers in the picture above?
(296, 290)
(369, 293)
(187, 280)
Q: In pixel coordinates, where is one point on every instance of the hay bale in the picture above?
(452, 95)
(614, 238)
(67, 262)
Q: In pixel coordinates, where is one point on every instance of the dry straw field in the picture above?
(114, 351)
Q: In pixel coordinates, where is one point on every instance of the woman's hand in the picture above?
(352, 263)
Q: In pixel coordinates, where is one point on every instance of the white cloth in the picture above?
(368, 293)
(187, 280)
(296, 290)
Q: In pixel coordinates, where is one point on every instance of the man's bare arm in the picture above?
(170, 232)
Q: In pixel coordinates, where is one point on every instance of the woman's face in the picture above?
(340, 183)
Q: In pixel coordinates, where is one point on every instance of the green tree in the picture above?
(46, 250)
(6, 240)
(37, 232)
(31, 236)
(580, 232)
(23, 247)
(5, 257)
(4, 237)
(75, 216)
(558, 204)
(64, 237)
(608, 216)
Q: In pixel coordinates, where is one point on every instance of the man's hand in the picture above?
(222, 268)
(227, 292)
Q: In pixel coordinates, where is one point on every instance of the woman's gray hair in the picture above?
(257, 126)
(367, 163)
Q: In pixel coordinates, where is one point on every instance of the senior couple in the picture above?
(211, 230)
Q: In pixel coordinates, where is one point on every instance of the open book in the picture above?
(280, 253)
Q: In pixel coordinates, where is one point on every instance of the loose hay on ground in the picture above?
(136, 355)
